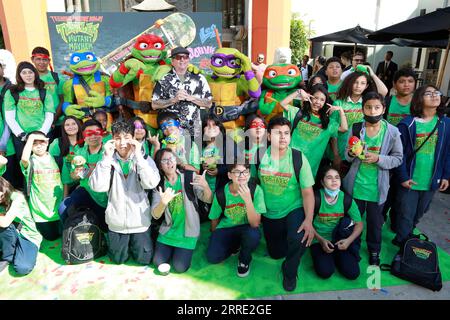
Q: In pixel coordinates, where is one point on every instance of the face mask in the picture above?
(332, 193)
(373, 119)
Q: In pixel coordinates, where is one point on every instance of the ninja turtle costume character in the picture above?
(279, 81)
(137, 75)
(234, 87)
(88, 89)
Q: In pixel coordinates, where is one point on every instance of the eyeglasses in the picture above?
(237, 173)
(432, 94)
(181, 57)
(220, 60)
(169, 160)
(169, 123)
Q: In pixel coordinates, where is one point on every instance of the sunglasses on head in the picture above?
(90, 133)
(170, 123)
(138, 125)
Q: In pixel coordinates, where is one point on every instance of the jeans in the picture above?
(283, 240)
(120, 245)
(225, 241)
(411, 206)
(325, 263)
(21, 252)
(374, 220)
(181, 258)
(80, 198)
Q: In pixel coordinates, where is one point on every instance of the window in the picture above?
(105, 5)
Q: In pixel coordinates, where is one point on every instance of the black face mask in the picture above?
(373, 119)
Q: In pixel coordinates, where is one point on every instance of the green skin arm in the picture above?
(253, 85)
(95, 100)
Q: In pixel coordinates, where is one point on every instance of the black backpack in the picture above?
(318, 201)
(417, 262)
(220, 195)
(82, 238)
(296, 161)
(42, 94)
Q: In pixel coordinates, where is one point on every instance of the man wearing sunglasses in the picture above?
(183, 92)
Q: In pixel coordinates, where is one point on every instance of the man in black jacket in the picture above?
(386, 69)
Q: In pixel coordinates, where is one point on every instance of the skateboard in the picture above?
(177, 29)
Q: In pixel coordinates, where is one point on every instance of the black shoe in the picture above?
(374, 259)
(288, 284)
(243, 269)
(3, 265)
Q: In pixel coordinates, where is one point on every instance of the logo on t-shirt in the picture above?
(429, 146)
(308, 130)
(275, 182)
(237, 213)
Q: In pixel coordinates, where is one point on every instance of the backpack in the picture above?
(42, 94)
(82, 238)
(220, 195)
(296, 161)
(417, 262)
(318, 200)
(3, 91)
(55, 77)
(387, 103)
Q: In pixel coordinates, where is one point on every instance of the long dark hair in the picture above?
(416, 108)
(217, 122)
(8, 190)
(64, 142)
(158, 156)
(20, 86)
(307, 110)
(347, 86)
(311, 85)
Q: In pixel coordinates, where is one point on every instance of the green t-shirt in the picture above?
(23, 215)
(366, 181)
(235, 210)
(208, 153)
(125, 165)
(249, 155)
(310, 138)
(333, 89)
(9, 145)
(353, 113)
(30, 112)
(53, 89)
(2, 170)
(46, 188)
(54, 150)
(330, 214)
(282, 192)
(423, 171)
(175, 235)
(194, 154)
(101, 198)
(397, 111)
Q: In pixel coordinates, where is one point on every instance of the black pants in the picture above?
(325, 263)
(374, 221)
(283, 240)
(389, 207)
(13, 173)
(120, 245)
(50, 230)
(18, 147)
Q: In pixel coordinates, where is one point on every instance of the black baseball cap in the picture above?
(178, 50)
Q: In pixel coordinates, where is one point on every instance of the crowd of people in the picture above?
(343, 152)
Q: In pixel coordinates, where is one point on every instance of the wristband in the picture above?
(123, 70)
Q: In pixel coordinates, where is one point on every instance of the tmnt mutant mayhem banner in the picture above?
(111, 35)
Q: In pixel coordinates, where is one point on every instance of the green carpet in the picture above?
(51, 279)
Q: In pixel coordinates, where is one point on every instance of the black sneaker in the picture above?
(374, 259)
(3, 265)
(395, 242)
(288, 284)
(243, 269)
